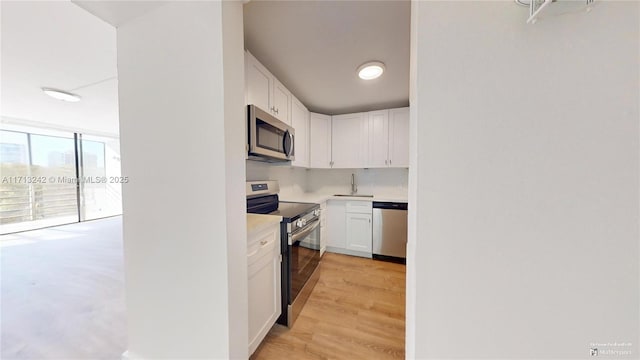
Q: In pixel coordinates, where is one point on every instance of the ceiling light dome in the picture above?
(61, 94)
(370, 70)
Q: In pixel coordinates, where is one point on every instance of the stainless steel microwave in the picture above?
(269, 138)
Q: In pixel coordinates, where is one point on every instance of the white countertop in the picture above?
(319, 198)
(257, 222)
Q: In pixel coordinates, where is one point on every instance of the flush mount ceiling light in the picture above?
(61, 95)
(370, 70)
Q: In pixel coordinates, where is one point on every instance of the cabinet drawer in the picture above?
(257, 236)
(267, 243)
(359, 207)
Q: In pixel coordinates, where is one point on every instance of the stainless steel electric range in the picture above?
(300, 244)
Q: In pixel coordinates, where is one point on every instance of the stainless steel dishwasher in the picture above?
(390, 231)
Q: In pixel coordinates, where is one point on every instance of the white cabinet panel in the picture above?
(265, 91)
(300, 123)
(378, 138)
(359, 232)
(281, 102)
(264, 299)
(323, 227)
(362, 207)
(349, 227)
(349, 136)
(336, 225)
(258, 83)
(319, 141)
(399, 137)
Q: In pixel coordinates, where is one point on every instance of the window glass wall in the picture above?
(53, 173)
(49, 180)
(101, 188)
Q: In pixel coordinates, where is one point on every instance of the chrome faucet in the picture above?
(354, 187)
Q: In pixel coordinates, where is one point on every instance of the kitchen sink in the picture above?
(356, 195)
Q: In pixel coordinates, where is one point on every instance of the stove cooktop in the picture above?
(291, 211)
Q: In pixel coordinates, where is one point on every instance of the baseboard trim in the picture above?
(348, 252)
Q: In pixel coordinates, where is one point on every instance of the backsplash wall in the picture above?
(369, 181)
(294, 181)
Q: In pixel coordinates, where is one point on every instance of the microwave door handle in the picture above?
(292, 144)
(287, 146)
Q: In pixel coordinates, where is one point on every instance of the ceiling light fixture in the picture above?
(61, 95)
(370, 70)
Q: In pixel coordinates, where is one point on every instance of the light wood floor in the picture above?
(356, 311)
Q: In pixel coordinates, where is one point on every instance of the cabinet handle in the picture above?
(276, 110)
(386, 162)
(263, 242)
(389, 161)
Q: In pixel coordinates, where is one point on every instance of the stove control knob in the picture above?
(300, 223)
(304, 222)
(316, 212)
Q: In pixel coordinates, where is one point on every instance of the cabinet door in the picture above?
(349, 141)
(258, 83)
(399, 137)
(359, 232)
(263, 260)
(300, 123)
(379, 138)
(336, 225)
(281, 102)
(319, 141)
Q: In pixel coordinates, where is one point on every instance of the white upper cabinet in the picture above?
(281, 102)
(300, 123)
(389, 138)
(349, 140)
(378, 138)
(319, 141)
(259, 82)
(265, 91)
(362, 140)
(399, 137)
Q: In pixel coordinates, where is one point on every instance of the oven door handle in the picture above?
(295, 237)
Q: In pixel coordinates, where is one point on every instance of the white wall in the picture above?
(525, 174)
(180, 106)
(292, 180)
(234, 137)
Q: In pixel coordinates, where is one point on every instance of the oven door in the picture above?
(304, 256)
(269, 137)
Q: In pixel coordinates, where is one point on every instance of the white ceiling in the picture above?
(315, 47)
(57, 44)
(117, 12)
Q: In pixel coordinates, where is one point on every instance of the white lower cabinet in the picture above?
(349, 227)
(336, 225)
(263, 259)
(359, 232)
